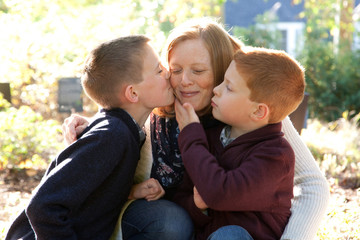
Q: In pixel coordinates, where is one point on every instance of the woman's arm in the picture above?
(73, 126)
(311, 190)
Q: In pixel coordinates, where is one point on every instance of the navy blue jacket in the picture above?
(85, 187)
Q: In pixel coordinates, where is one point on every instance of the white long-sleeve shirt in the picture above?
(311, 190)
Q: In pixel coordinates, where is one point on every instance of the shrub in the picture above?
(336, 147)
(333, 81)
(26, 140)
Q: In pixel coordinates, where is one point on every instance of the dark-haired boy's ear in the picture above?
(130, 94)
(260, 112)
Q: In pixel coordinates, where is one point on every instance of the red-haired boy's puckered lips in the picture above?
(213, 104)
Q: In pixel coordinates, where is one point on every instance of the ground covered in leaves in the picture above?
(341, 222)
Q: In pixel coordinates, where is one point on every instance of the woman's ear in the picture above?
(260, 112)
(130, 94)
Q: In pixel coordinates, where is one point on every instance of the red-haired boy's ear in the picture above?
(130, 94)
(260, 112)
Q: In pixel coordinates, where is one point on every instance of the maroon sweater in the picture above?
(248, 183)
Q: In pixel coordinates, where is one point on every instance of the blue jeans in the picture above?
(231, 232)
(160, 219)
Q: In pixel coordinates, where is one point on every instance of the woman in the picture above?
(198, 54)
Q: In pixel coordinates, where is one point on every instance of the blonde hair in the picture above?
(274, 78)
(219, 43)
(110, 65)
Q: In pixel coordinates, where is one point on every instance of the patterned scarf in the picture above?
(167, 166)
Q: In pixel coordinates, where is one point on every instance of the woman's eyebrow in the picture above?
(199, 64)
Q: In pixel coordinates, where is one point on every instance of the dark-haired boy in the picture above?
(85, 187)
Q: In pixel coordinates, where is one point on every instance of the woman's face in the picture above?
(191, 74)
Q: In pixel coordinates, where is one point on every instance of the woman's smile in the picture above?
(188, 94)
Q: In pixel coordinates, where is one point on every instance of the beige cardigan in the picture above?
(311, 190)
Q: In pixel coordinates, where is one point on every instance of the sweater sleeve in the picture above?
(237, 189)
(142, 173)
(311, 191)
(185, 198)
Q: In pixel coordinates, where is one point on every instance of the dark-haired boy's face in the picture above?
(155, 89)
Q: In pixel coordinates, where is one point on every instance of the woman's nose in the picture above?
(185, 80)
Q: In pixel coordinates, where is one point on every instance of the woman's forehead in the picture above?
(192, 50)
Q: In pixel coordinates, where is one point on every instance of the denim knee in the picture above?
(231, 232)
(160, 219)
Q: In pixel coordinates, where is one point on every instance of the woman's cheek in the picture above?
(173, 81)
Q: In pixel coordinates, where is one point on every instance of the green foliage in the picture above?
(332, 72)
(332, 81)
(38, 48)
(26, 139)
(263, 34)
(3, 102)
(43, 41)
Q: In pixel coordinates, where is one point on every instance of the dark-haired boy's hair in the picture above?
(274, 78)
(112, 64)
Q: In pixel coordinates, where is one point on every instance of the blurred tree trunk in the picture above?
(346, 26)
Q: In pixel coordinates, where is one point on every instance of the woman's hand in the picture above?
(150, 190)
(72, 127)
(199, 202)
(185, 114)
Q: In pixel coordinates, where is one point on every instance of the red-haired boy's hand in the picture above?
(185, 114)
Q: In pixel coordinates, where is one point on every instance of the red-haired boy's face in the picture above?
(231, 102)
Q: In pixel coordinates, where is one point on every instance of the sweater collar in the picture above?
(135, 127)
(268, 131)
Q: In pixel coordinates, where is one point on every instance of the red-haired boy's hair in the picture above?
(274, 78)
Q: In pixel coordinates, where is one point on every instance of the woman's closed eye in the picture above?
(175, 71)
(198, 71)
